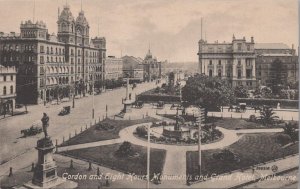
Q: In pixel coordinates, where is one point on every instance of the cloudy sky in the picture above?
(171, 27)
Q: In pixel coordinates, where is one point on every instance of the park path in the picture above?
(175, 162)
(89, 145)
(126, 134)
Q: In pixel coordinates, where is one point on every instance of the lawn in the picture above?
(252, 149)
(104, 155)
(92, 134)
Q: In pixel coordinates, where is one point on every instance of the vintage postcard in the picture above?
(149, 94)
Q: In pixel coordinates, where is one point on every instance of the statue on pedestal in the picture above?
(45, 121)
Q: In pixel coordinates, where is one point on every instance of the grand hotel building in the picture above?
(247, 63)
(50, 66)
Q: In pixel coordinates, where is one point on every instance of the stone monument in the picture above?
(128, 101)
(45, 172)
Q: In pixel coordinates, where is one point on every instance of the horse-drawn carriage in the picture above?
(35, 128)
(66, 110)
(138, 104)
(160, 105)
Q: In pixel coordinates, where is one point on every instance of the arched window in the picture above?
(11, 89)
(4, 90)
(210, 73)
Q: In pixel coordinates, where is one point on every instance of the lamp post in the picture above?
(93, 110)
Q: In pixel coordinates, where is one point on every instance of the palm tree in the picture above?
(290, 129)
(267, 115)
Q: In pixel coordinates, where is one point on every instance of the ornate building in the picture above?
(248, 63)
(52, 67)
(152, 68)
(233, 61)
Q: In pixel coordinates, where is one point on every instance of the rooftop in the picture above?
(270, 46)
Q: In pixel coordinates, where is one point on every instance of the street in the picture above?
(15, 148)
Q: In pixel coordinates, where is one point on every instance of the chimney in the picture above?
(252, 39)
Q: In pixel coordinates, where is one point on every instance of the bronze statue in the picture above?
(45, 121)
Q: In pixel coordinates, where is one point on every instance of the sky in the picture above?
(172, 28)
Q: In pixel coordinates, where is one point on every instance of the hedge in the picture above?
(284, 103)
(158, 97)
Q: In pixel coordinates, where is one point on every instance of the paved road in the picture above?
(15, 148)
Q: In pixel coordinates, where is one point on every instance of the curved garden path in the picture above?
(175, 163)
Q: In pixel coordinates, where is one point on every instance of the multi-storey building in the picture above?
(113, 68)
(248, 63)
(133, 68)
(50, 66)
(233, 61)
(7, 89)
(276, 61)
(152, 68)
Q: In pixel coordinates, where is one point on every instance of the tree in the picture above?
(141, 131)
(207, 92)
(240, 92)
(125, 149)
(266, 92)
(267, 115)
(278, 76)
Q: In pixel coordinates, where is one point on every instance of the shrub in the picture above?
(141, 130)
(105, 126)
(125, 150)
(283, 139)
(252, 118)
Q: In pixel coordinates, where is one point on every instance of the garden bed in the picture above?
(105, 156)
(93, 134)
(251, 149)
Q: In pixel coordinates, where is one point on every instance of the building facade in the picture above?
(7, 89)
(152, 68)
(247, 63)
(233, 61)
(276, 62)
(52, 67)
(133, 68)
(113, 68)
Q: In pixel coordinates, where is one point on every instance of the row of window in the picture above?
(248, 62)
(91, 54)
(58, 51)
(239, 73)
(5, 78)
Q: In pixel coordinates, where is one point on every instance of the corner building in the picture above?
(51, 67)
(233, 61)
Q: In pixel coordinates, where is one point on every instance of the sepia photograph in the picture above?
(98, 94)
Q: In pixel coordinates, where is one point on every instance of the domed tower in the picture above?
(82, 30)
(66, 26)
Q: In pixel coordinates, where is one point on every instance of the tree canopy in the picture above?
(207, 92)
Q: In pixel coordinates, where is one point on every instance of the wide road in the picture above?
(18, 152)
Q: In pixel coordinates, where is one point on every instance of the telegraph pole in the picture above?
(93, 111)
(199, 122)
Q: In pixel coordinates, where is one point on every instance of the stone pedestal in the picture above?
(45, 172)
